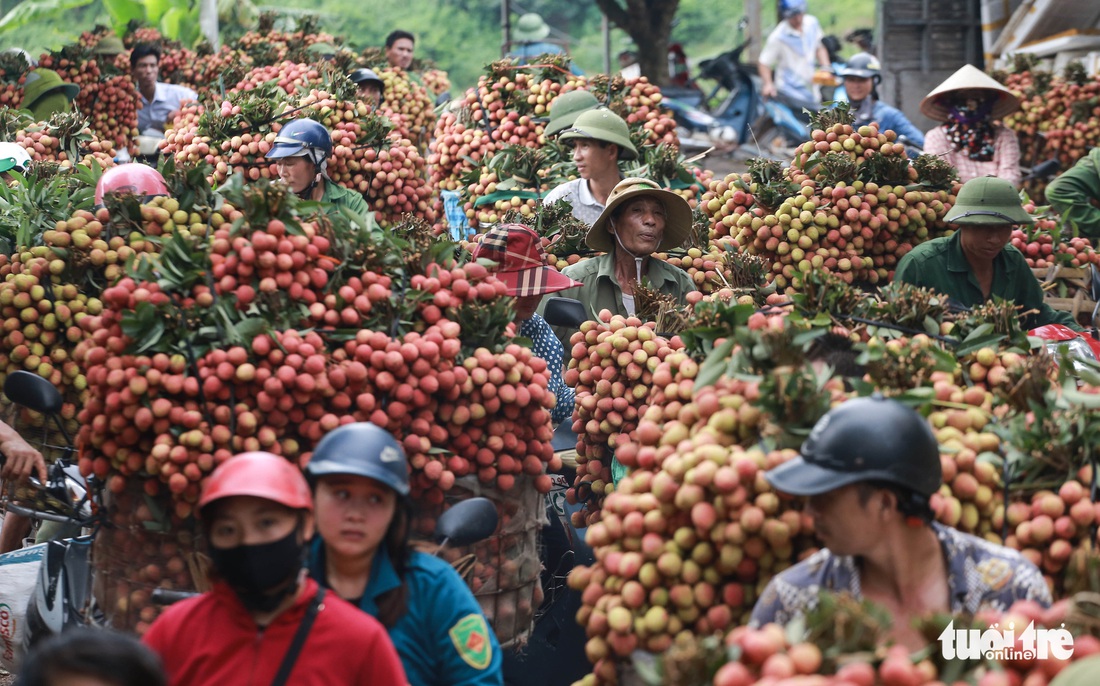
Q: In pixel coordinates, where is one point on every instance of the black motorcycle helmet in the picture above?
(363, 76)
(864, 440)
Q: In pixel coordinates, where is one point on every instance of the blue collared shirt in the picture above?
(434, 636)
(167, 98)
(980, 576)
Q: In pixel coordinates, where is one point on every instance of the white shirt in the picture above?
(166, 99)
(586, 207)
(793, 55)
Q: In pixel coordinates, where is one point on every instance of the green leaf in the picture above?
(973, 344)
(37, 12)
(122, 12)
(715, 365)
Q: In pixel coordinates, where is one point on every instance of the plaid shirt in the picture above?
(980, 575)
(1006, 156)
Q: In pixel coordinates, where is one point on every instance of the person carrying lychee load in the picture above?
(968, 103)
(976, 263)
(20, 463)
(45, 94)
(641, 218)
(1075, 195)
(599, 138)
(265, 621)
(862, 75)
(301, 153)
(868, 470)
(521, 263)
(160, 102)
(360, 480)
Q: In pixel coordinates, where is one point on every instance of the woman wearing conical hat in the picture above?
(968, 104)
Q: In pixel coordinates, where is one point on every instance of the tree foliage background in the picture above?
(461, 36)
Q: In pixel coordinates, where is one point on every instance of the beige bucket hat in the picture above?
(677, 214)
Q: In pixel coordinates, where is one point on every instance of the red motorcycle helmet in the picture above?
(260, 475)
(132, 177)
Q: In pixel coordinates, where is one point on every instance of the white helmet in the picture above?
(13, 156)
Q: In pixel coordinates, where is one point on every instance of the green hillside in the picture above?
(463, 35)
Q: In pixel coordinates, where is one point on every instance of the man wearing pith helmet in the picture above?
(599, 138)
(566, 108)
(641, 218)
(977, 263)
(868, 472)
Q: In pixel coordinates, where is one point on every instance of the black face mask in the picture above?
(262, 575)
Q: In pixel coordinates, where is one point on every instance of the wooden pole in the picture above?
(755, 29)
(605, 25)
(505, 26)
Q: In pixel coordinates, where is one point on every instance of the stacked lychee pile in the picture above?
(368, 157)
(107, 97)
(266, 328)
(1046, 243)
(692, 533)
(848, 204)
(472, 143)
(13, 71)
(66, 140)
(1058, 115)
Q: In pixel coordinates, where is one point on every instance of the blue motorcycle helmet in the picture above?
(303, 138)
(789, 8)
(361, 449)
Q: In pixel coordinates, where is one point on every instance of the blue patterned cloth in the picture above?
(980, 576)
(457, 223)
(547, 346)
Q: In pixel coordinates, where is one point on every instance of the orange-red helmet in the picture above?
(260, 475)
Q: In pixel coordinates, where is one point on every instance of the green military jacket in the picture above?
(601, 291)
(1072, 194)
(941, 265)
(338, 196)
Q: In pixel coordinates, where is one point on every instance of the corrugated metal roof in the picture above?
(1036, 20)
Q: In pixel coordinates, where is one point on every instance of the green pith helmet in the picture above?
(988, 200)
(1080, 673)
(42, 81)
(110, 45)
(602, 125)
(567, 107)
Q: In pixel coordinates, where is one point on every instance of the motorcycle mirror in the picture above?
(1045, 170)
(32, 391)
(564, 437)
(467, 522)
(562, 312)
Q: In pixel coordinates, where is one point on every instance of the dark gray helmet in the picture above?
(865, 439)
(364, 76)
(361, 449)
(862, 65)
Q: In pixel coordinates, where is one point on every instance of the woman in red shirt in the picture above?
(265, 622)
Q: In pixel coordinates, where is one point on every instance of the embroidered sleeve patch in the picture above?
(471, 638)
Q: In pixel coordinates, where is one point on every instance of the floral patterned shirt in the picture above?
(980, 575)
(1005, 162)
(546, 345)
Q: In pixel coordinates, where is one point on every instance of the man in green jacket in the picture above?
(640, 218)
(1076, 195)
(301, 153)
(45, 94)
(976, 263)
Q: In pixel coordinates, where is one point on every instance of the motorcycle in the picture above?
(62, 594)
(757, 127)
(554, 654)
